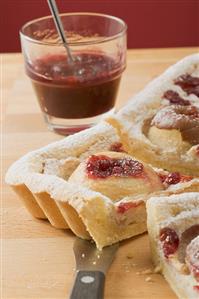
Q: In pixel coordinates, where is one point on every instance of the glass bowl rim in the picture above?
(79, 43)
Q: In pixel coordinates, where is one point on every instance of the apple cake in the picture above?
(98, 192)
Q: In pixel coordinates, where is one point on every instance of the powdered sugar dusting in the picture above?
(178, 211)
(165, 118)
(143, 107)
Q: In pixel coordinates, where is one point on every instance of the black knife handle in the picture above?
(88, 285)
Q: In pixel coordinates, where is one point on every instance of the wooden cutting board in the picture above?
(38, 260)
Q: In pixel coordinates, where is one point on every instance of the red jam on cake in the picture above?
(125, 206)
(174, 178)
(189, 84)
(174, 98)
(103, 166)
(116, 175)
(169, 240)
(117, 147)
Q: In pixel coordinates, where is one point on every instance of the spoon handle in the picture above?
(58, 23)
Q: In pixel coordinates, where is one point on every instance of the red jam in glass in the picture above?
(170, 241)
(100, 167)
(84, 89)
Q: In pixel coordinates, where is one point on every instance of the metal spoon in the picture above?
(60, 29)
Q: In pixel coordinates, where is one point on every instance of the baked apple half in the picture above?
(116, 175)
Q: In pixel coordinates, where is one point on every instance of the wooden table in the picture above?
(38, 260)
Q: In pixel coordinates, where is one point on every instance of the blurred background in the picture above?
(151, 23)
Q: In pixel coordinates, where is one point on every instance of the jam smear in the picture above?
(196, 288)
(189, 84)
(170, 241)
(162, 177)
(100, 167)
(117, 147)
(186, 178)
(125, 206)
(86, 89)
(192, 111)
(174, 178)
(174, 98)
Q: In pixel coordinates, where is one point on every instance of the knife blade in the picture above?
(91, 266)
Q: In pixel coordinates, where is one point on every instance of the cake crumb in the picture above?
(185, 270)
(157, 269)
(148, 279)
(127, 270)
(129, 256)
(133, 264)
(147, 271)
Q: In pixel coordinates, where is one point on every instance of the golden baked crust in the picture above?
(58, 159)
(149, 124)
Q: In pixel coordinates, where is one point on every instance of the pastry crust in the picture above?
(58, 159)
(83, 207)
(40, 178)
(180, 213)
(164, 148)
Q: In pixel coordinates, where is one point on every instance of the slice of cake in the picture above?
(173, 227)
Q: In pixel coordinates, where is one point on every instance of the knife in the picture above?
(91, 266)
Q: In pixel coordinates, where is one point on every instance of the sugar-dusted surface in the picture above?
(177, 212)
(38, 258)
(159, 145)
